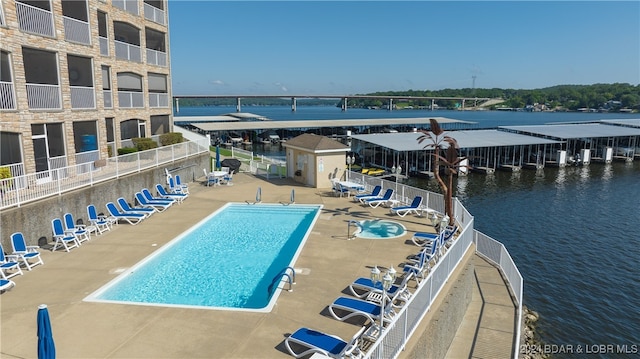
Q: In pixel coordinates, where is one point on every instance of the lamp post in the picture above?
(350, 161)
(396, 171)
(387, 281)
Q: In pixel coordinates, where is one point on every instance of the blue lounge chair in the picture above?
(131, 218)
(124, 206)
(164, 194)
(376, 201)
(353, 307)
(101, 223)
(419, 264)
(339, 190)
(62, 238)
(414, 207)
(210, 179)
(375, 193)
(9, 263)
(173, 188)
(6, 284)
(159, 206)
(183, 186)
(425, 238)
(363, 287)
(313, 341)
(29, 255)
(147, 194)
(79, 231)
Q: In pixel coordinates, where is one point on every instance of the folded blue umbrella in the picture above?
(46, 346)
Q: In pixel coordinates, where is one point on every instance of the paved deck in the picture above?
(329, 262)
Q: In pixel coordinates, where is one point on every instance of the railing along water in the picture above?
(59, 179)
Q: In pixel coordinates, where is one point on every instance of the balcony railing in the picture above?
(125, 51)
(154, 14)
(158, 99)
(155, 57)
(85, 160)
(76, 31)
(7, 96)
(104, 46)
(83, 97)
(130, 6)
(130, 99)
(107, 98)
(43, 96)
(58, 180)
(35, 20)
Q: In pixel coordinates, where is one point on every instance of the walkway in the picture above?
(488, 327)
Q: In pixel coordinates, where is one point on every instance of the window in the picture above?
(10, 148)
(110, 129)
(5, 67)
(85, 136)
(128, 81)
(41, 67)
(132, 129)
(80, 71)
(159, 124)
(157, 83)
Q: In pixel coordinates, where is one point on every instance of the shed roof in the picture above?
(315, 143)
(582, 130)
(408, 141)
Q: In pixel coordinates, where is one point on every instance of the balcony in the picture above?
(76, 31)
(83, 97)
(125, 51)
(157, 58)
(7, 96)
(44, 96)
(35, 20)
(130, 6)
(154, 14)
(130, 99)
(107, 98)
(158, 100)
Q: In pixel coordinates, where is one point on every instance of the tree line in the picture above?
(609, 97)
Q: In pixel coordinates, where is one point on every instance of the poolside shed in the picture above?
(315, 160)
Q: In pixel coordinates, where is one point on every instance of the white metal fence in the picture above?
(34, 19)
(7, 96)
(82, 97)
(125, 51)
(43, 96)
(155, 57)
(76, 30)
(154, 14)
(58, 180)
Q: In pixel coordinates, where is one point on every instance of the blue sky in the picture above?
(350, 47)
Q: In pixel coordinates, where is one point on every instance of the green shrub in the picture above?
(126, 150)
(170, 138)
(5, 173)
(144, 143)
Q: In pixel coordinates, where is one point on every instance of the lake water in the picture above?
(573, 232)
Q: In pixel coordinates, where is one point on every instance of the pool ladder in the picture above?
(291, 278)
(358, 229)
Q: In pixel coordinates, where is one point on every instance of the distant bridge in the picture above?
(477, 101)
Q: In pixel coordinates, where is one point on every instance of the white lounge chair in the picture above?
(414, 207)
(312, 341)
(6, 284)
(344, 308)
(62, 238)
(29, 255)
(79, 231)
(376, 201)
(9, 266)
(102, 223)
(363, 287)
(375, 193)
(131, 218)
(124, 206)
(159, 206)
(164, 194)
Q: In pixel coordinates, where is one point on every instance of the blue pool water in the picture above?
(228, 260)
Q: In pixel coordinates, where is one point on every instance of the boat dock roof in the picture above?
(568, 131)
(403, 141)
(267, 125)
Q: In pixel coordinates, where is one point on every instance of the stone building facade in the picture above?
(79, 79)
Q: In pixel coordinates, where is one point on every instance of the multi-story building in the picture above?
(79, 79)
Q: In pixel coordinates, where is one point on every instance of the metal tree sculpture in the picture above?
(439, 143)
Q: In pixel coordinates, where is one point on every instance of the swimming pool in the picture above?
(229, 260)
(380, 229)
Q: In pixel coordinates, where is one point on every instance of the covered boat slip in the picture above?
(486, 150)
(603, 142)
(508, 147)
